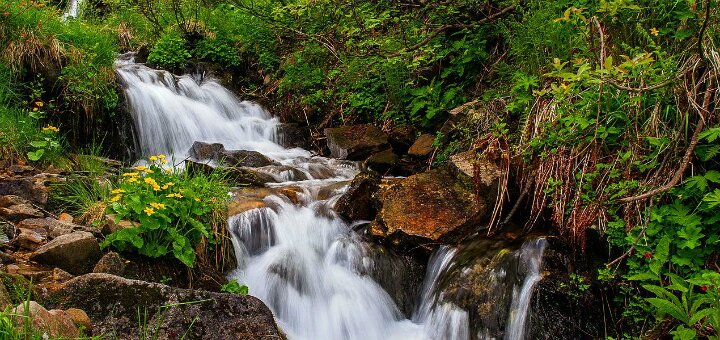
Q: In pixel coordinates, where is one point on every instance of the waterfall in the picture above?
(73, 9)
(299, 257)
(531, 255)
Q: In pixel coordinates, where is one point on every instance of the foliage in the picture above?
(234, 287)
(170, 52)
(173, 211)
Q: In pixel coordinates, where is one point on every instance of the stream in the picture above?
(300, 258)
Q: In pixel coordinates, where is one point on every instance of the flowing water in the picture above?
(299, 257)
(73, 9)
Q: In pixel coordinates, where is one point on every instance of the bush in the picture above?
(170, 52)
(176, 212)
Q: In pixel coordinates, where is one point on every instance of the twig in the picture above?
(686, 158)
(447, 27)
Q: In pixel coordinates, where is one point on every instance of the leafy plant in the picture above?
(234, 287)
(170, 52)
(173, 211)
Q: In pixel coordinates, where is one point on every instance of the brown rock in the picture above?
(110, 226)
(76, 252)
(488, 173)
(65, 217)
(431, 207)
(113, 303)
(32, 189)
(20, 211)
(80, 318)
(110, 263)
(358, 202)
(9, 200)
(382, 161)
(29, 239)
(54, 227)
(57, 323)
(355, 142)
(61, 275)
(423, 146)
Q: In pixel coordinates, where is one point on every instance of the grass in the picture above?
(86, 197)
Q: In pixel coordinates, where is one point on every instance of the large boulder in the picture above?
(358, 202)
(113, 303)
(355, 142)
(76, 252)
(28, 239)
(429, 208)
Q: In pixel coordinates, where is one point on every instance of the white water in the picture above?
(301, 259)
(73, 9)
(531, 255)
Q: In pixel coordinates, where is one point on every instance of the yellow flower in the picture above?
(50, 128)
(149, 171)
(35, 109)
(140, 168)
(161, 156)
(153, 158)
(168, 170)
(174, 195)
(167, 185)
(116, 198)
(157, 206)
(118, 191)
(149, 211)
(132, 180)
(197, 199)
(131, 174)
(654, 31)
(39, 104)
(163, 161)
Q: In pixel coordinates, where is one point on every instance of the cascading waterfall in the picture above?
(300, 258)
(73, 9)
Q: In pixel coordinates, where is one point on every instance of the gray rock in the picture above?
(243, 158)
(204, 151)
(113, 304)
(76, 252)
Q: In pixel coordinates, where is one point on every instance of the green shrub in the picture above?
(175, 211)
(218, 50)
(170, 52)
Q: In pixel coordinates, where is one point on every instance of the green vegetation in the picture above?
(234, 287)
(175, 212)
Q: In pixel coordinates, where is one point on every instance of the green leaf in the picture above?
(666, 307)
(36, 155)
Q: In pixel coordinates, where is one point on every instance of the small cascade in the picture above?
(531, 255)
(72, 10)
(171, 113)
